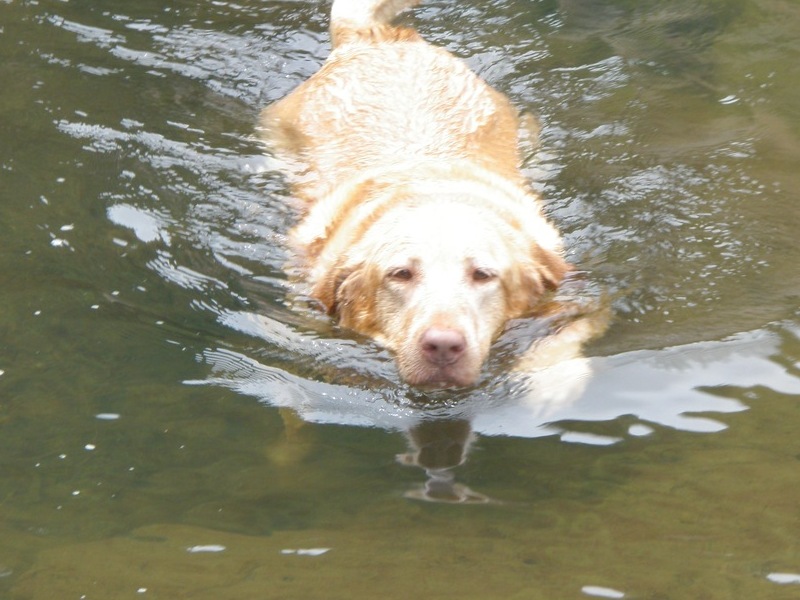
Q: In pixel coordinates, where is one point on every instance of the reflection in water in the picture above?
(438, 446)
(668, 388)
(550, 374)
(442, 487)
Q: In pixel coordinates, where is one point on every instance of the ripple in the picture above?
(149, 226)
(669, 388)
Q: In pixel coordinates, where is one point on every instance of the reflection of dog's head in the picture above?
(434, 275)
(438, 444)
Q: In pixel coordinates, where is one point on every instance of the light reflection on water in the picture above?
(671, 388)
(152, 230)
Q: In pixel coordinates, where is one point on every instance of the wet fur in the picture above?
(392, 140)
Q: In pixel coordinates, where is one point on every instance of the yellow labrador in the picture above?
(419, 229)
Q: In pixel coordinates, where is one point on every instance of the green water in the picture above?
(174, 424)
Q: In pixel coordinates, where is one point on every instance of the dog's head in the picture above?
(435, 278)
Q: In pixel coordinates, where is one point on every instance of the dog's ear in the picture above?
(325, 290)
(532, 279)
(348, 294)
(356, 300)
(551, 267)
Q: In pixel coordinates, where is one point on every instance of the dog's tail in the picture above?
(368, 20)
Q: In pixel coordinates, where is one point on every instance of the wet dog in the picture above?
(418, 228)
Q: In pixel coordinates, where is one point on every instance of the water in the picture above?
(174, 424)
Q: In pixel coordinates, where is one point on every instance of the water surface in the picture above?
(174, 423)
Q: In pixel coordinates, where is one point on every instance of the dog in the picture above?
(418, 228)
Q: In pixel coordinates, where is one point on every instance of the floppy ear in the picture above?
(348, 295)
(550, 266)
(326, 288)
(531, 280)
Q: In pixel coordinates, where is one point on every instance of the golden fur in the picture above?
(419, 229)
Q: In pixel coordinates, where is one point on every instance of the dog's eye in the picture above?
(401, 274)
(481, 275)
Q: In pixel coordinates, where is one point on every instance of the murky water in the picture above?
(174, 424)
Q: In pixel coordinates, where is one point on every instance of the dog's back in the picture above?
(385, 96)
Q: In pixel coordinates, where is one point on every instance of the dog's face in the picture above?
(435, 281)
